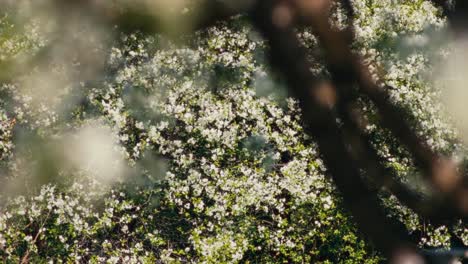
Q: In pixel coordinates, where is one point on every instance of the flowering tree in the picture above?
(145, 142)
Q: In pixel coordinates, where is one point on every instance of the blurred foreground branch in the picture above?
(316, 99)
(341, 150)
(347, 70)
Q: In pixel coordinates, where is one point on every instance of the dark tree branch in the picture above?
(346, 70)
(289, 58)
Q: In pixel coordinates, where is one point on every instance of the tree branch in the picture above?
(289, 58)
(346, 69)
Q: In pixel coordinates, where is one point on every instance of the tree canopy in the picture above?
(227, 132)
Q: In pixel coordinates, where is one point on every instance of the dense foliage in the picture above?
(192, 151)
